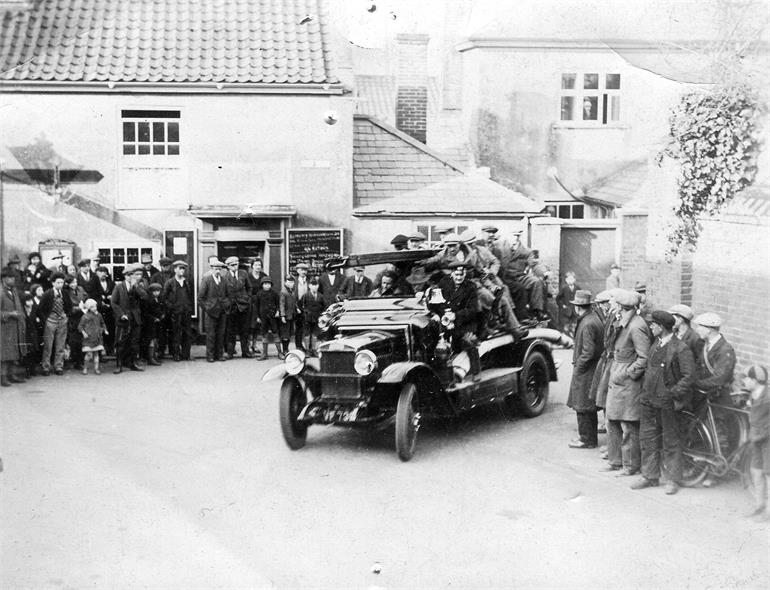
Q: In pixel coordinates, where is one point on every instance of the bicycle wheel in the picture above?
(698, 448)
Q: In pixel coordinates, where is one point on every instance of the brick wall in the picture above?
(412, 111)
(412, 80)
(633, 255)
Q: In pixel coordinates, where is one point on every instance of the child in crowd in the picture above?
(312, 306)
(755, 382)
(33, 355)
(92, 327)
(153, 315)
(268, 312)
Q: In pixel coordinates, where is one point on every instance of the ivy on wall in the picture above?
(715, 138)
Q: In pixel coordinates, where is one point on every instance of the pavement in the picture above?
(178, 477)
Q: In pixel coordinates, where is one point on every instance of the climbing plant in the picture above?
(715, 138)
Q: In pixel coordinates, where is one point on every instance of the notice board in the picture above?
(180, 245)
(313, 246)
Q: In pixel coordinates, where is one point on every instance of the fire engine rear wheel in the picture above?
(407, 421)
(293, 399)
(533, 386)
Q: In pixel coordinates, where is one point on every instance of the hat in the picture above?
(14, 259)
(468, 236)
(289, 277)
(215, 263)
(451, 238)
(132, 268)
(84, 262)
(231, 260)
(582, 297)
(627, 298)
(602, 297)
(681, 310)
(165, 260)
(146, 257)
(663, 318)
(181, 263)
(32, 255)
(443, 228)
(301, 265)
(517, 232)
(490, 228)
(266, 280)
(615, 265)
(458, 264)
(417, 236)
(640, 287)
(155, 287)
(358, 267)
(417, 276)
(709, 320)
(757, 372)
(399, 239)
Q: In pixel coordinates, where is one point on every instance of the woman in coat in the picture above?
(13, 331)
(255, 277)
(629, 360)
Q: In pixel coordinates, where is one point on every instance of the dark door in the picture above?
(243, 250)
(588, 253)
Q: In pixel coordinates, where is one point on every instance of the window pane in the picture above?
(158, 150)
(144, 148)
(173, 150)
(615, 108)
(173, 132)
(129, 132)
(590, 108)
(577, 211)
(144, 131)
(129, 148)
(590, 81)
(612, 82)
(568, 81)
(567, 108)
(104, 256)
(564, 211)
(132, 255)
(118, 256)
(158, 131)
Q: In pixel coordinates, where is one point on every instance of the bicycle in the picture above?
(715, 443)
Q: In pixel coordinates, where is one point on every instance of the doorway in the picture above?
(588, 253)
(244, 251)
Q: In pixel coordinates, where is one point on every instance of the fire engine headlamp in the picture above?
(295, 362)
(365, 362)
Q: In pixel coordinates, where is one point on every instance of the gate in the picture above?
(589, 253)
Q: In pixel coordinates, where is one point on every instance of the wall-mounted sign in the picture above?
(312, 246)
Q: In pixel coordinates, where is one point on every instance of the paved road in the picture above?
(179, 478)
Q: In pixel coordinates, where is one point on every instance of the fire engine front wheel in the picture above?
(407, 422)
(293, 399)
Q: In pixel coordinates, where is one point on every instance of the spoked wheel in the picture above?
(293, 399)
(534, 386)
(407, 421)
(697, 450)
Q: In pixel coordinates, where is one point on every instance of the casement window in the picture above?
(117, 256)
(434, 238)
(150, 133)
(591, 98)
(567, 210)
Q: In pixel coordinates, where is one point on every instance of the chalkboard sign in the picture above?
(313, 246)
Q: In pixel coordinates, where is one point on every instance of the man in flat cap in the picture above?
(148, 270)
(330, 285)
(715, 362)
(239, 289)
(462, 304)
(357, 285)
(527, 291)
(683, 315)
(166, 329)
(54, 311)
(126, 299)
(87, 280)
(415, 241)
(180, 306)
(666, 388)
(302, 288)
(630, 352)
(589, 345)
(606, 309)
(645, 306)
(213, 297)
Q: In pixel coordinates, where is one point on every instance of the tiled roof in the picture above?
(228, 41)
(387, 162)
(469, 194)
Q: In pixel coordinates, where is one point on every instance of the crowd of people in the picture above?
(641, 368)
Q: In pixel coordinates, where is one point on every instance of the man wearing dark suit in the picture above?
(166, 330)
(239, 292)
(567, 312)
(104, 287)
(460, 296)
(214, 299)
(180, 304)
(127, 297)
(54, 311)
(87, 280)
(358, 285)
(330, 284)
(715, 363)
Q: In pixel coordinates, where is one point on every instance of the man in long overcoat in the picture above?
(665, 390)
(127, 297)
(213, 298)
(239, 290)
(632, 345)
(589, 345)
(180, 304)
(14, 328)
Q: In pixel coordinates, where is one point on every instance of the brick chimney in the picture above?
(412, 81)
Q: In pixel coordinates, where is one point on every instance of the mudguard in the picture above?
(398, 372)
(279, 371)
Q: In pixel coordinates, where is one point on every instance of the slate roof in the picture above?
(387, 162)
(227, 41)
(376, 96)
(469, 194)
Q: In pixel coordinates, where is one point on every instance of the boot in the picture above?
(263, 356)
(280, 352)
(285, 344)
(118, 366)
(151, 358)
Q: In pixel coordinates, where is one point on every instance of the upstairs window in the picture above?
(150, 133)
(590, 97)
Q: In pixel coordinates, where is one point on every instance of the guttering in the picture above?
(109, 87)
(452, 214)
(575, 44)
